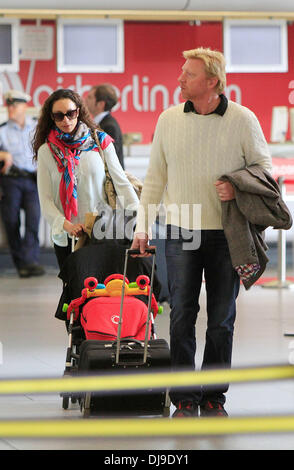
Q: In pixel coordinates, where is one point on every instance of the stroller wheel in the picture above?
(85, 405)
(65, 402)
(166, 412)
(87, 413)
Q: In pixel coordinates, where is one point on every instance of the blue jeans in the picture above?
(21, 193)
(185, 268)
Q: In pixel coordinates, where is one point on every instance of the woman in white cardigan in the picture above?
(71, 172)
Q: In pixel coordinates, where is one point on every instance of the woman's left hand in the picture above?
(75, 230)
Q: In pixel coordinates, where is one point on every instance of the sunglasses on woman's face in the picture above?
(70, 114)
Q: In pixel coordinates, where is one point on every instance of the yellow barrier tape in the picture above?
(160, 380)
(145, 427)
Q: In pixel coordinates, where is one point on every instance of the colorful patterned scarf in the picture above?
(66, 149)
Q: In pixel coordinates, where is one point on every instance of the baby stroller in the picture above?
(111, 327)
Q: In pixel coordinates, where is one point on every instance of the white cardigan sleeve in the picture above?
(47, 173)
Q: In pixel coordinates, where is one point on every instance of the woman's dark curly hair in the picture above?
(46, 123)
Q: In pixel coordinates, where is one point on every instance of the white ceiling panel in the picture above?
(188, 5)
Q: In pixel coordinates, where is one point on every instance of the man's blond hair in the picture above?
(214, 63)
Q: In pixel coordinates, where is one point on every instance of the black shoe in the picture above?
(35, 270)
(212, 408)
(23, 272)
(186, 409)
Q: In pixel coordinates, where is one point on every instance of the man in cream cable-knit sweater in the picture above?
(195, 143)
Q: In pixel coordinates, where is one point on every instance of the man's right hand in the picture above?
(141, 242)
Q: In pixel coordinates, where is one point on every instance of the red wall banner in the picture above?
(153, 61)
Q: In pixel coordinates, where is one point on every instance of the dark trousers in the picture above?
(21, 193)
(185, 268)
(62, 253)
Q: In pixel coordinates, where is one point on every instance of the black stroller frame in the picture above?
(73, 356)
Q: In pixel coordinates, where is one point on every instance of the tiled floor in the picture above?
(34, 345)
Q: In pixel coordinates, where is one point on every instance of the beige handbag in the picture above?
(83, 240)
(109, 186)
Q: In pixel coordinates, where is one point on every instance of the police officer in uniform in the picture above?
(18, 185)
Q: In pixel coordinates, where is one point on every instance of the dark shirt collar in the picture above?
(221, 108)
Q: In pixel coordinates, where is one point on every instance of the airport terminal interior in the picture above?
(144, 73)
(34, 346)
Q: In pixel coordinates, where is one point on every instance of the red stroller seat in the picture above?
(100, 304)
(100, 318)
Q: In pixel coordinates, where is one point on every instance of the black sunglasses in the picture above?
(59, 116)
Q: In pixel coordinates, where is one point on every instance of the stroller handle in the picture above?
(128, 252)
(137, 252)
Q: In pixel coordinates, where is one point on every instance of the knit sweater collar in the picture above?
(221, 108)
